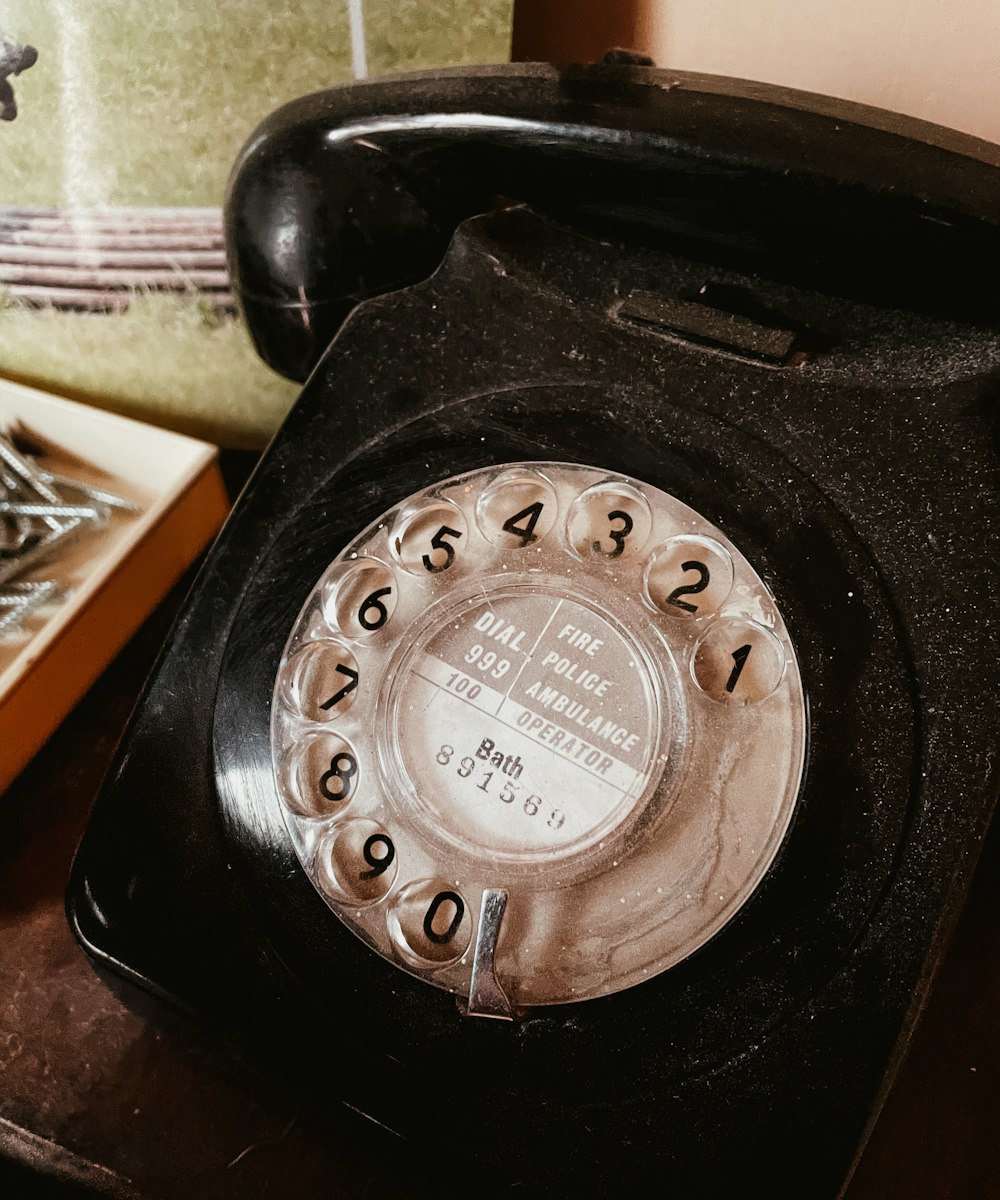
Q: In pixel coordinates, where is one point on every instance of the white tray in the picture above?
(114, 576)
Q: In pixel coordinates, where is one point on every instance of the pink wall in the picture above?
(927, 58)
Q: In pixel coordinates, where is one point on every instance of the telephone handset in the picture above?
(573, 749)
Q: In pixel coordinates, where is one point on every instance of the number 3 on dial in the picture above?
(618, 536)
(611, 520)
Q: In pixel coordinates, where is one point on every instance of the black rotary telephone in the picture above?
(575, 748)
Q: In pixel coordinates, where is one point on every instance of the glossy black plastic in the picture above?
(856, 467)
(353, 192)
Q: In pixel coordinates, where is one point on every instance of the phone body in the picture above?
(657, 504)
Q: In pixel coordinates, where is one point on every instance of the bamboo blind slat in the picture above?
(97, 259)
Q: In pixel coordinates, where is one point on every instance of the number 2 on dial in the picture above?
(690, 589)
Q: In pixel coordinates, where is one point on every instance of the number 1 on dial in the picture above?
(739, 658)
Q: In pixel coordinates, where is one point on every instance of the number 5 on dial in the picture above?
(438, 543)
(424, 536)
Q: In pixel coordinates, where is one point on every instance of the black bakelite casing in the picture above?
(356, 191)
(770, 312)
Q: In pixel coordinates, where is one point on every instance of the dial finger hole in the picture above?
(517, 509)
(738, 662)
(429, 538)
(689, 576)
(610, 521)
(430, 924)
(358, 863)
(320, 775)
(323, 682)
(359, 597)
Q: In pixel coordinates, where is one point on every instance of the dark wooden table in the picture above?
(97, 1098)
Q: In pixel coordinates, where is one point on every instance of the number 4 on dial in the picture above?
(522, 524)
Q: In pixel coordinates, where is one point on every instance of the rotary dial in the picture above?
(537, 734)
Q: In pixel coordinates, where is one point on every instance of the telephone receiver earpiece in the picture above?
(353, 192)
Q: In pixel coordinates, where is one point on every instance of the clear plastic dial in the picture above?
(538, 733)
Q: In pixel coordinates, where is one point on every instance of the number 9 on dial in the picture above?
(359, 862)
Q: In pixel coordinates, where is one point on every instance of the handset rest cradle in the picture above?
(350, 193)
